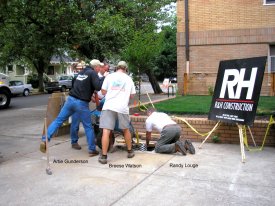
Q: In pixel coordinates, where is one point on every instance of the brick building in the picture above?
(222, 30)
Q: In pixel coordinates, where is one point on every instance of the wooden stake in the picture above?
(241, 142)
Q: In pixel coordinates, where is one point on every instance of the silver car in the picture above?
(18, 87)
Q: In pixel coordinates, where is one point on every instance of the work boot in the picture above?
(131, 153)
(189, 146)
(102, 159)
(76, 146)
(179, 146)
(93, 153)
(43, 147)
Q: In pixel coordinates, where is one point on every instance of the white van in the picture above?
(5, 92)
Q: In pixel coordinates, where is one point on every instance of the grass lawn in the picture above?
(201, 105)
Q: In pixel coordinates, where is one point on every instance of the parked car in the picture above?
(144, 78)
(63, 83)
(173, 79)
(5, 93)
(18, 87)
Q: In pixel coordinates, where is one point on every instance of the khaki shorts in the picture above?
(108, 120)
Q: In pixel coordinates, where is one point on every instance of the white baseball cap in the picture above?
(96, 62)
(122, 64)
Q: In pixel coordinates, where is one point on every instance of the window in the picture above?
(269, 2)
(20, 70)
(12, 83)
(63, 78)
(272, 64)
(50, 70)
(18, 83)
(10, 68)
(272, 58)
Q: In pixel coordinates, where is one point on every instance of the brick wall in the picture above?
(225, 15)
(222, 30)
(204, 63)
(228, 133)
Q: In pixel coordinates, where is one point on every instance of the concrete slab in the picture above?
(177, 191)
(213, 176)
(24, 182)
(217, 178)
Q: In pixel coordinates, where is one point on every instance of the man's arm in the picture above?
(103, 92)
(97, 82)
(132, 96)
(148, 138)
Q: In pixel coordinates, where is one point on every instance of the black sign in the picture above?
(237, 90)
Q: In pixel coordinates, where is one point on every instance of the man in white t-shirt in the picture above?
(169, 131)
(118, 88)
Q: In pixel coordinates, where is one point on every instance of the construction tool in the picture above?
(48, 169)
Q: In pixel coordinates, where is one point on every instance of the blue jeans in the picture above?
(71, 106)
(75, 127)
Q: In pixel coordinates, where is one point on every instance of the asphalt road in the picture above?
(20, 102)
(21, 126)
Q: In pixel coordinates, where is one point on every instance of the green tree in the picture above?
(116, 22)
(154, 53)
(33, 30)
(142, 52)
(166, 62)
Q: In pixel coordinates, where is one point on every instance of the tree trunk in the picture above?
(40, 81)
(154, 82)
(41, 66)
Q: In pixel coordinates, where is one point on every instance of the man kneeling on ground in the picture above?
(169, 134)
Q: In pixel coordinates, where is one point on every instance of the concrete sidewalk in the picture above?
(213, 176)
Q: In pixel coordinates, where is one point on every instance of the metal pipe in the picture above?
(186, 74)
(186, 30)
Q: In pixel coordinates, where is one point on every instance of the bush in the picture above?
(33, 80)
(210, 90)
(216, 139)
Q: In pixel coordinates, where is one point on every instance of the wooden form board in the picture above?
(55, 103)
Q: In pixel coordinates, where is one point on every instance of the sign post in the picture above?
(237, 92)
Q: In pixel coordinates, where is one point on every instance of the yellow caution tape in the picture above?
(142, 107)
(271, 121)
(188, 124)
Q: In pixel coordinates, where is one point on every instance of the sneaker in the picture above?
(180, 147)
(189, 146)
(93, 153)
(131, 153)
(43, 147)
(76, 146)
(102, 159)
